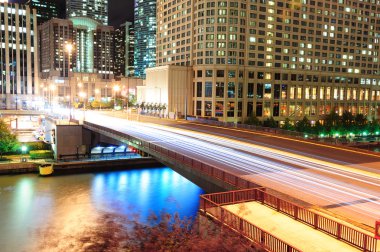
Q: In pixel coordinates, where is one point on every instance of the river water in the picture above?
(52, 213)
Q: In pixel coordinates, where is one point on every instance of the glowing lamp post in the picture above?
(23, 151)
(69, 48)
(52, 89)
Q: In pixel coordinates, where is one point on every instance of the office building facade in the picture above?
(18, 56)
(280, 59)
(94, 9)
(55, 59)
(145, 36)
(46, 9)
(124, 41)
(86, 67)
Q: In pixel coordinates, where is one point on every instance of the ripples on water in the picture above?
(51, 214)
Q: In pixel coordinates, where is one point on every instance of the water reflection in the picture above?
(66, 206)
(145, 191)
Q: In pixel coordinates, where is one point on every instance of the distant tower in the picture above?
(46, 9)
(95, 9)
(124, 50)
(145, 36)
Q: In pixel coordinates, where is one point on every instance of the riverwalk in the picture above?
(276, 224)
(79, 166)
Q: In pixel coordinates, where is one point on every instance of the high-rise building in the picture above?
(120, 51)
(145, 36)
(95, 9)
(18, 56)
(280, 59)
(124, 41)
(130, 50)
(104, 51)
(46, 9)
(76, 57)
(54, 36)
(92, 47)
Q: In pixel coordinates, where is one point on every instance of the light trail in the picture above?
(350, 191)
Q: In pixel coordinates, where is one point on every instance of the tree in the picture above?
(132, 100)
(270, 122)
(112, 232)
(8, 140)
(303, 125)
(287, 125)
(331, 121)
(252, 120)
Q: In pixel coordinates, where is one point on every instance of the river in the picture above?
(52, 213)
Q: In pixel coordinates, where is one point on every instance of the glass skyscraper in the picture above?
(46, 9)
(145, 36)
(95, 9)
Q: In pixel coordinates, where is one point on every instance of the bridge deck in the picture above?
(287, 229)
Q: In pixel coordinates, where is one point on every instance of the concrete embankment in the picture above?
(81, 166)
(14, 168)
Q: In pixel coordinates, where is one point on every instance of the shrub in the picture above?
(37, 154)
(32, 146)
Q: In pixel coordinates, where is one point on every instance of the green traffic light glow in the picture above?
(24, 148)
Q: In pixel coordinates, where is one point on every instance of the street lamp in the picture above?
(23, 151)
(69, 48)
(68, 98)
(52, 89)
(187, 73)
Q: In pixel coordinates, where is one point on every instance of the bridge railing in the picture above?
(329, 226)
(209, 207)
(195, 164)
(253, 192)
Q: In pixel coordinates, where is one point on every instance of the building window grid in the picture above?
(310, 55)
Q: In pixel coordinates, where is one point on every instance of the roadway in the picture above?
(343, 181)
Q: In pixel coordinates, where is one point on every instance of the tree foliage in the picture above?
(270, 122)
(8, 140)
(252, 120)
(112, 232)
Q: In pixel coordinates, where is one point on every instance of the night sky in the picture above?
(119, 10)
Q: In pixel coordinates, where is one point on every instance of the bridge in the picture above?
(340, 181)
(22, 112)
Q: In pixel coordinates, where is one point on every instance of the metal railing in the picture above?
(331, 227)
(250, 127)
(252, 193)
(260, 237)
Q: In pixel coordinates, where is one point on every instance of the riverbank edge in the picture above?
(81, 166)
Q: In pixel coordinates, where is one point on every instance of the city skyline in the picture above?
(119, 11)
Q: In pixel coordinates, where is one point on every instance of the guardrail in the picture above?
(260, 237)
(251, 127)
(341, 232)
(331, 227)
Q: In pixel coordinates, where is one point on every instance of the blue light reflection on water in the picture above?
(70, 205)
(144, 192)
